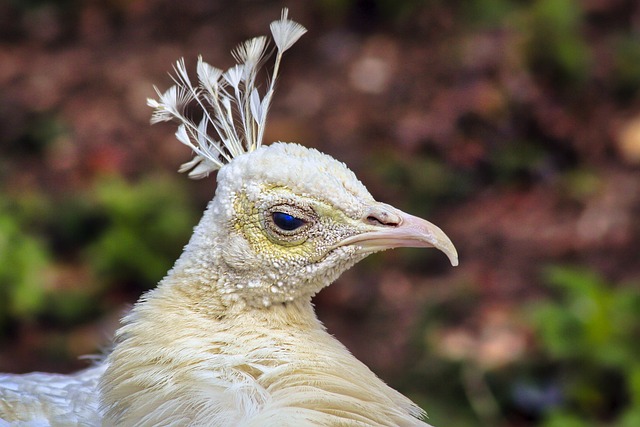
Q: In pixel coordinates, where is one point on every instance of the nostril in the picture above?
(373, 220)
(381, 217)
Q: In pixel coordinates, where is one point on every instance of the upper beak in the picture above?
(391, 228)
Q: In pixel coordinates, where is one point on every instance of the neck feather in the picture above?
(239, 369)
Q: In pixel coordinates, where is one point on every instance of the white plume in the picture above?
(233, 112)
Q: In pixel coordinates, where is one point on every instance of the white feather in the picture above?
(237, 116)
(286, 32)
(42, 399)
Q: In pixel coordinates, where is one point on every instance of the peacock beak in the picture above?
(388, 228)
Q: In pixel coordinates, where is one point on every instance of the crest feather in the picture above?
(233, 112)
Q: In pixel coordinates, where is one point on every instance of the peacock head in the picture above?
(288, 220)
(291, 220)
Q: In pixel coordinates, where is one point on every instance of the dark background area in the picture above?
(512, 124)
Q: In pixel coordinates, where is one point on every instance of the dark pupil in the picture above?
(287, 222)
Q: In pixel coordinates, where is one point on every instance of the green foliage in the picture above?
(564, 419)
(554, 45)
(489, 13)
(23, 262)
(147, 225)
(591, 333)
(581, 183)
(585, 371)
(626, 73)
(631, 418)
(112, 234)
(596, 322)
(73, 307)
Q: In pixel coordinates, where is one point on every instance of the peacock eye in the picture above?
(287, 222)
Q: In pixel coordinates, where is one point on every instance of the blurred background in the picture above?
(512, 124)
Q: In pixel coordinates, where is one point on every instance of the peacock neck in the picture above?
(272, 356)
(179, 329)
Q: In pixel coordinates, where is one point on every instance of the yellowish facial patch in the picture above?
(325, 225)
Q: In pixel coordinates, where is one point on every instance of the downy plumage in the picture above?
(229, 337)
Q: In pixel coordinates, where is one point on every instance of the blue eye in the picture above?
(287, 222)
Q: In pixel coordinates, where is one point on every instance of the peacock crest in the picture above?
(233, 112)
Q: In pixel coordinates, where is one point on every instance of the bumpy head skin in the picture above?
(337, 224)
(265, 264)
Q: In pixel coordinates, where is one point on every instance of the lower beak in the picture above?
(401, 230)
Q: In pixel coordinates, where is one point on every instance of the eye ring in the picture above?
(286, 221)
(288, 224)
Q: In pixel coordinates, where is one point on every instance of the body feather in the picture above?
(43, 399)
